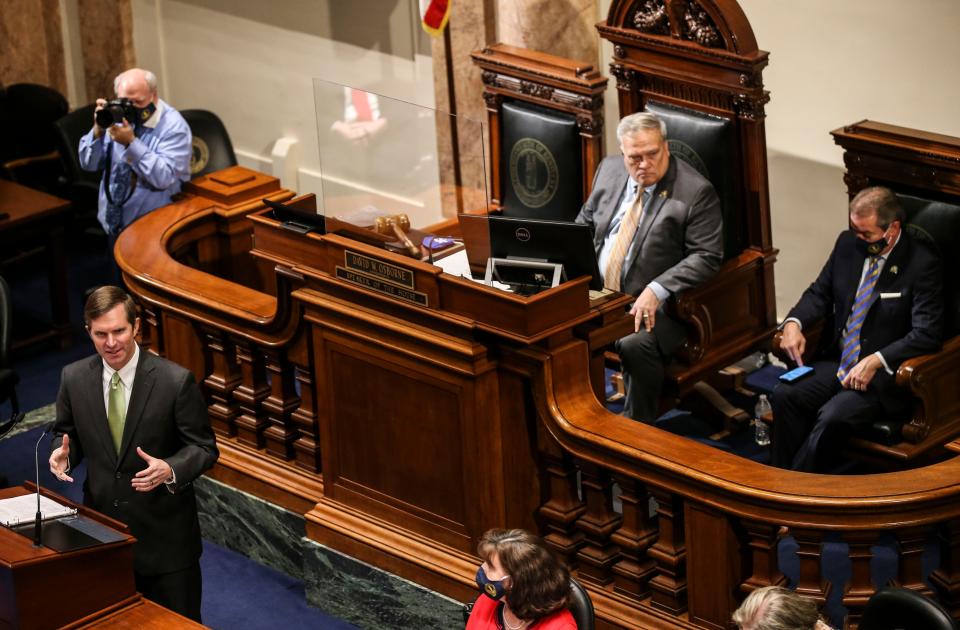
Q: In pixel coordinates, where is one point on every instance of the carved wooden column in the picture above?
(670, 584)
(762, 539)
(563, 507)
(912, 541)
(809, 547)
(307, 446)
(222, 382)
(599, 553)
(861, 587)
(151, 332)
(628, 99)
(750, 110)
(946, 579)
(279, 406)
(637, 533)
(251, 392)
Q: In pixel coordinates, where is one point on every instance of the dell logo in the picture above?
(522, 234)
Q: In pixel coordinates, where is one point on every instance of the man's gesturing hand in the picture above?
(793, 342)
(60, 460)
(156, 473)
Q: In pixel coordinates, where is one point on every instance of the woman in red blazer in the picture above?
(522, 585)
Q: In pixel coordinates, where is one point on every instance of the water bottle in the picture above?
(761, 430)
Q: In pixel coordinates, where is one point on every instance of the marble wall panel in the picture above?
(262, 531)
(471, 27)
(106, 41)
(370, 598)
(31, 44)
(559, 27)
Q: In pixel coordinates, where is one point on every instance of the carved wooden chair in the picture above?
(545, 118)
(696, 63)
(924, 170)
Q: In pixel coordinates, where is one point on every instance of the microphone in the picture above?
(38, 523)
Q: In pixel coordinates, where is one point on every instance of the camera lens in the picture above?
(104, 117)
(115, 111)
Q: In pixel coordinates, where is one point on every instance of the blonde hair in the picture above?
(776, 608)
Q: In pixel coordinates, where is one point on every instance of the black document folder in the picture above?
(71, 533)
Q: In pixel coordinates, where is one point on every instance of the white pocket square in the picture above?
(890, 296)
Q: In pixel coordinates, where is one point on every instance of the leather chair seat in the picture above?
(540, 157)
(892, 608)
(938, 224)
(212, 148)
(706, 143)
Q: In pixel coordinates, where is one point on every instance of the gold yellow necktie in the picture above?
(116, 410)
(628, 227)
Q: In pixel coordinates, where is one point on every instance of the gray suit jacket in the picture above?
(679, 241)
(167, 418)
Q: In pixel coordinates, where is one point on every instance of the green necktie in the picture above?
(116, 409)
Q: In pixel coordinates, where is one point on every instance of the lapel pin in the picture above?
(894, 270)
(664, 194)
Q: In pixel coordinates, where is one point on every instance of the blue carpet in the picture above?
(16, 464)
(39, 365)
(239, 593)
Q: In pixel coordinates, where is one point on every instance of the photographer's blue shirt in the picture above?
(158, 159)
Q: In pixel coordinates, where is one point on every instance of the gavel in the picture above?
(396, 224)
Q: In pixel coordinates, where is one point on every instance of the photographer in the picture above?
(142, 144)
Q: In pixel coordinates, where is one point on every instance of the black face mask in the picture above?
(144, 113)
(872, 248)
(493, 589)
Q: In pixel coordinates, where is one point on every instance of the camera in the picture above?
(115, 111)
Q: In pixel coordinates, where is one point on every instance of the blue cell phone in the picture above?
(796, 374)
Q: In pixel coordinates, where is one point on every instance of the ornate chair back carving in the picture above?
(696, 62)
(545, 128)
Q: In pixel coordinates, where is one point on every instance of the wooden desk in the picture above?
(37, 219)
(85, 588)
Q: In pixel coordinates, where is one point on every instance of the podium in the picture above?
(90, 587)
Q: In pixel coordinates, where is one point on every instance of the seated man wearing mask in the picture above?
(658, 231)
(144, 160)
(882, 290)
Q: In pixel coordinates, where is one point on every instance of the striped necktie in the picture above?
(116, 410)
(628, 228)
(850, 343)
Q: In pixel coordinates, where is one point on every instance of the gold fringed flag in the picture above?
(434, 15)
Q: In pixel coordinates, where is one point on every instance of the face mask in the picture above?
(872, 248)
(144, 113)
(491, 588)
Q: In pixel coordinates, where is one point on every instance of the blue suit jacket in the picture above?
(904, 321)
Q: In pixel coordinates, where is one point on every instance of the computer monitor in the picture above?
(296, 219)
(563, 242)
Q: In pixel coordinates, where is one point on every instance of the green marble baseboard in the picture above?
(368, 597)
(337, 584)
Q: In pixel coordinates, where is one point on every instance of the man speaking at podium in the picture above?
(658, 231)
(141, 424)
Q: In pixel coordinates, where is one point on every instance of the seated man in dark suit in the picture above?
(658, 231)
(883, 292)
